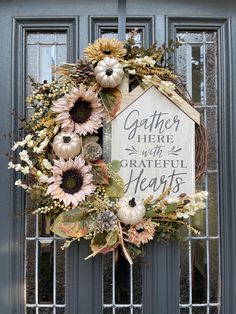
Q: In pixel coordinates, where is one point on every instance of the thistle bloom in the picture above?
(80, 111)
(107, 221)
(71, 181)
(142, 232)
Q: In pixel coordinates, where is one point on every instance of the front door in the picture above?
(36, 275)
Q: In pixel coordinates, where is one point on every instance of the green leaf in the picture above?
(104, 242)
(100, 173)
(100, 238)
(70, 224)
(98, 241)
(116, 188)
(134, 251)
(90, 138)
(171, 208)
(108, 98)
(150, 213)
(115, 165)
(112, 238)
(111, 99)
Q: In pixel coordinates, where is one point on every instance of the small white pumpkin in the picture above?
(67, 145)
(131, 210)
(109, 72)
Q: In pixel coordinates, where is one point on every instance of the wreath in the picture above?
(60, 155)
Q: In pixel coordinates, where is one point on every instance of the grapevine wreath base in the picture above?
(60, 157)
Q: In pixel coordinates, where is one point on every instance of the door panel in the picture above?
(44, 260)
(198, 66)
(41, 41)
(39, 44)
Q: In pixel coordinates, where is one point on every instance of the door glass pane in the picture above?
(112, 33)
(122, 284)
(196, 63)
(30, 310)
(44, 259)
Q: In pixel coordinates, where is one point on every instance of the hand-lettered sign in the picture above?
(155, 143)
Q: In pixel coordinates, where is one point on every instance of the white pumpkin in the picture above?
(109, 72)
(131, 210)
(67, 145)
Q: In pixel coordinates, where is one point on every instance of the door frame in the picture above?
(227, 167)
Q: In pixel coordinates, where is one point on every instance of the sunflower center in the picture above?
(72, 181)
(109, 72)
(81, 111)
(107, 52)
(66, 139)
(139, 230)
(132, 202)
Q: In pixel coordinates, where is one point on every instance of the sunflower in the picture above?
(142, 232)
(80, 111)
(104, 47)
(71, 181)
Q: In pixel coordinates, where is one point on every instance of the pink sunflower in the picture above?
(71, 181)
(142, 232)
(80, 111)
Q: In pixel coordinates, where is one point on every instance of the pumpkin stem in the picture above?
(132, 202)
(109, 72)
(66, 139)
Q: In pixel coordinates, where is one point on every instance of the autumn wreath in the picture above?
(60, 155)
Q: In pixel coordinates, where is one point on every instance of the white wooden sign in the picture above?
(155, 143)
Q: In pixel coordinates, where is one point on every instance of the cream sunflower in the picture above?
(104, 47)
(142, 232)
(71, 181)
(80, 111)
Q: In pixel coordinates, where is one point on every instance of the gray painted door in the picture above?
(59, 31)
